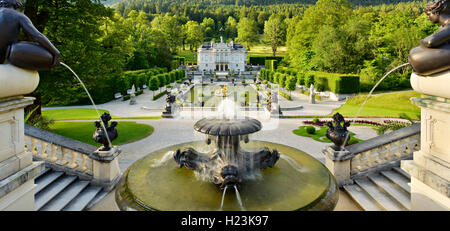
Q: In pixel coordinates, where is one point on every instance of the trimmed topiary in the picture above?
(310, 130)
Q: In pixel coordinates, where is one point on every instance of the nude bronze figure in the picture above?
(37, 55)
(433, 54)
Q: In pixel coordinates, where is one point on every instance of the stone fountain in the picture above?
(228, 164)
(282, 179)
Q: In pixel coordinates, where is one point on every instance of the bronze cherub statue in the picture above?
(433, 54)
(37, 55)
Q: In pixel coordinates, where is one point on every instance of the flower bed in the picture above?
(321, 123)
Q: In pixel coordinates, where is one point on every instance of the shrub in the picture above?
(264, 82)
(310, 130)
(316, 120)
(309, 80)
(159, 95)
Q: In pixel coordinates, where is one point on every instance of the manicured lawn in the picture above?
(320, 135)
(83, 131)
(386, 105)
(190, 56)
(266, 50)
(83, 114)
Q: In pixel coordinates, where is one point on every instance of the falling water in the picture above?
(92, 101)
(293, 163)
(346, 140)
(227, 109)
(239, 198)
(164, 159)
(223, 198)
(376, 85)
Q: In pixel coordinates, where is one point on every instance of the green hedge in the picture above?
(261, 60)
(138, 78)
(271, 64)
(337, 83)
(166, 78)
(159, 95)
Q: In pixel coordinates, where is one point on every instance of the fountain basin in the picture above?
(17, 81)
(435, 85)
(297, 182)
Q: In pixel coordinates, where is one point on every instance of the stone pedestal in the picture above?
(430, 167)
(17, 169)
(338, 163)
(106, 170)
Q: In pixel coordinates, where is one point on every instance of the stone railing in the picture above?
(70, 156)
(373, 155)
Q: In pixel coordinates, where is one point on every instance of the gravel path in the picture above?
(174, 131)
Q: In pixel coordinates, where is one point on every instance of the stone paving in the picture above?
(174, 131)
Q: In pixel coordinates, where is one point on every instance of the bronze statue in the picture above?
(34, 56)
(105, 137)
(338, 132)
(433, 54)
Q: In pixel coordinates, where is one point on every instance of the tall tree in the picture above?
(171, 28)
(194, 34)
(231, 28)
(247, 32)
(274, 33)
(209, 27)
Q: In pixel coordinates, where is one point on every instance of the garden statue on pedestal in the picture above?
(39, 55)
(169, 109)
(105, 137)
(312, 95)
(433, 54)
(338, 132)
(133, 96)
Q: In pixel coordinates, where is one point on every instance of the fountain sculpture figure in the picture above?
(228, 164)
(101, 136)
(33, 56)
(169, 108)
(338, 132)
(433, 54)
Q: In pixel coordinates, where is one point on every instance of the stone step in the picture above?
(42, 173)
(66, 196)
(398, 179)
(379, 196)
(361, 197)
(83, 199)
(399, 195)
(52, 190)
(97, 198)
(45, 180)
(401, 171)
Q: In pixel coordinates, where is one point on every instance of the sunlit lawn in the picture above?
(319, 135)
(83, 114)
(266, 50)
(386, 105)
(83, 131)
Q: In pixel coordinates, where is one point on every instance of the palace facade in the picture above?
(222, 56)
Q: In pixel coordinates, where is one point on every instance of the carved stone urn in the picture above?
(338, 132)
(105, 137)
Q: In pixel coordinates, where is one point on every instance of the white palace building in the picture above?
(222, 57)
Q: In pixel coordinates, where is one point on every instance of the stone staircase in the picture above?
(386, 190)
(58, 191)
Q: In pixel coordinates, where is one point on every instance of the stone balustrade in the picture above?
(373, 155)
(71, 156)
